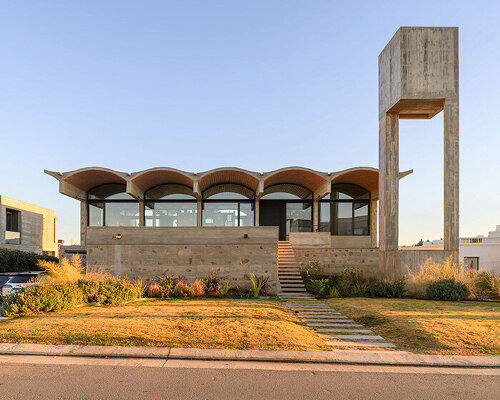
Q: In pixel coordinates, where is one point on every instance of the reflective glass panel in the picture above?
(220, 214)
(298, 217)
(324, 217)
(361, 220)
(342, 219)
(345, 191)
(122, 214)
(112, 191)
(96, 214)
(170, 192)
(171, 214)
(246, 214)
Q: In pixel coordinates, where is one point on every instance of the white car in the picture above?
(12, 283)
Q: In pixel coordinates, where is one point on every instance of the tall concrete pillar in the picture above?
(257, 211)
(451, 178)
(199, 214)
(315, 212)
(83, 222)
(142, 211)
(373, 222)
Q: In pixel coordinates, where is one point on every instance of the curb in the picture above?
(360, 357)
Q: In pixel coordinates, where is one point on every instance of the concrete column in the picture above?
(83, 222)
(451, 178)
(389, 194)
(315, 215)
(257, 211)
(142, 212)
(200, 212)
(373, 222)
(389, 181)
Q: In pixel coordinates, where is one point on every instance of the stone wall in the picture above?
(190, 252)
(336, 260)
(414, 258)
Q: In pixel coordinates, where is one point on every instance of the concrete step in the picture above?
(357, 344)
(335, 326)
(344, 330)
(359, 337)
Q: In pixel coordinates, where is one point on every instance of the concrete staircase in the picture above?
(290, 281)
(336, 329)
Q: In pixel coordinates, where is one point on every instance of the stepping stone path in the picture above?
(335, 328)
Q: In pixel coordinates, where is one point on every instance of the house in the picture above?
(28, 227)
(239, 222)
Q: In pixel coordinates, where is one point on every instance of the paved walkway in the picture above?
(336, 329)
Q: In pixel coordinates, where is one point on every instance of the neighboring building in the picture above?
(163, 220)
(480, 253)
(28, 227)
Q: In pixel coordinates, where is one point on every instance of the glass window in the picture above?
(122, 214)
(110, 205)
(111, 191)
(361, 220)
(220, 214)
(298, 217)
(346, 191)
(286, 191)
(247, 217)
(96, 214)
(342, 219)
(324, 217)
(228, 191)
(171, 213)
(170, 192)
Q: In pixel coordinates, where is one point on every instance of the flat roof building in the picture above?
(28, 227)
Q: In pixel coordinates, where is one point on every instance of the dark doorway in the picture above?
(273, 213)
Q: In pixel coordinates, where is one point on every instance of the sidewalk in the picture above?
(324, 357)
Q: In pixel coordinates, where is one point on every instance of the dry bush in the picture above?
(182, 290)
(420, 277)
(154, 290)
(198, 288)
(66, 271)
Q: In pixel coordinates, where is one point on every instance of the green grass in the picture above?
(426, 326)
(201, 323)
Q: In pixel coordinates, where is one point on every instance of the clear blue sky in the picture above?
(257, 84)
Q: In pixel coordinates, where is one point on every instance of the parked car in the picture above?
(15, 282)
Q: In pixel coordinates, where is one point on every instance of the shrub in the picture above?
(238, 291)
(65, 271)
(19, 261)
(259, 284)
(212, 285)
(359, 289)
(166, 284)
(154, 290)
(111, 291)
(313, 271)
(485, 285)
(388, 289)
(421, 276)
(225, 286)
(42, 298)
(447, 289)
(183, 290)
(319, 287)
(198, 288)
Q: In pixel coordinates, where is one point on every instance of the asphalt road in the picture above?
(34, 377)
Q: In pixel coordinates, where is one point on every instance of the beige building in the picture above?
(238, 222)
(28, 227)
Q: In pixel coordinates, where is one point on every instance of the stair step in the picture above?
(360, 337)
(344, 330)
(335, 326)
(357, 344)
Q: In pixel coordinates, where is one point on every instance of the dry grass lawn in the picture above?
(201, 323)
(433, 327)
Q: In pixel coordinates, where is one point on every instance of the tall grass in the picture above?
(64, 271)
(421, 276)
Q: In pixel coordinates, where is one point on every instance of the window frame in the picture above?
(238, 201)
(106, 201)
(191, 200)
(353, 202)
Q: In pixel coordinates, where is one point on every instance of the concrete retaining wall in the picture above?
(190, 252)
